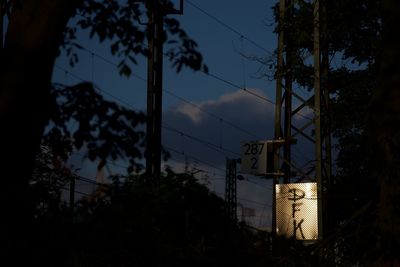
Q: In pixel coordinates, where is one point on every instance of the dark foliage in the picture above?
(354, 46)
(140, 225)
(133, 223)
(123, 23)
(82, 118)
(36, 32)
(49, 178)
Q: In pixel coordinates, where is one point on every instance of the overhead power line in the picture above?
(99, 89)
(250, 92)
(203, 142)
(212, 114)
(214, 76)
(199, 140)
(202, 110)
(228, 27)
(238, 87)
(135, 109)
(196, 159)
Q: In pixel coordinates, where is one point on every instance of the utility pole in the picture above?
(283, 101)
(157, 9)
(284, 91)
(318, 114)
(287, 154)
(278, 109)
(154, 88)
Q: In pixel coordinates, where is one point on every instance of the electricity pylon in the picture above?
(315, 129)
(230, 189)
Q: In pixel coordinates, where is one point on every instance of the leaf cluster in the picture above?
(49, 177)
(82, 119)
(353, 43)
(124, 25)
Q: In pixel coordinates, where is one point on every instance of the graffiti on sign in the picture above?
(296, 211)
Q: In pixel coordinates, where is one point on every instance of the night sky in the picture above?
(204, 118)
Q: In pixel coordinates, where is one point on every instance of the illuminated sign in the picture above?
(297, 211)
(257, 157)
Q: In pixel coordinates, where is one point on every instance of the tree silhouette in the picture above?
(133, 223)
(36, 31)
(365, 115)
(384, 125)
(355, 46)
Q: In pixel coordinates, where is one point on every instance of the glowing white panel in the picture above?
(297, 210)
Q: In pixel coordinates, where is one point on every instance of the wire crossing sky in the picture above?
(205, 116)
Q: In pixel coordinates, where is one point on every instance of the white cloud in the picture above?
(224, 122)
(235, 101)
(208, 132)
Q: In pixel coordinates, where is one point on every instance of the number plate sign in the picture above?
(254, 157)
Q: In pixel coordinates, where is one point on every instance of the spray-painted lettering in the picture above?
(298, 226)
(295, 196)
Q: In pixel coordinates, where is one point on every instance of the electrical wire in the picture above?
(214, 76)
(197, 159)
(206, 143)
(199, 140)
(228, 27)
(126, 103)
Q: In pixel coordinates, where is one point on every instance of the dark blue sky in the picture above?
(199, 107)
(220, 46)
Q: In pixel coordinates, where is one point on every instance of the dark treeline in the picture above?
(132, 223)
(362, 75)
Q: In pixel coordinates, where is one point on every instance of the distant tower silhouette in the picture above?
(230, 189)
